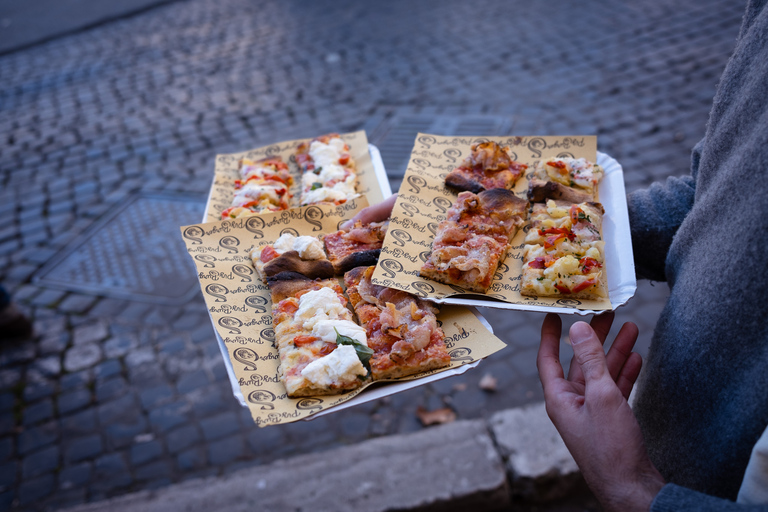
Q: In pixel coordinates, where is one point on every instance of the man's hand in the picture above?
(374, 213)
(591, 412)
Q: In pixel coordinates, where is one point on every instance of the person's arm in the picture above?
(590, 411)
(589, 408)
(374, 213)
(655, 214)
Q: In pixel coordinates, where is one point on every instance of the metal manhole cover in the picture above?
(133, 253)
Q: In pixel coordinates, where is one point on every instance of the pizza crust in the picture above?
(539, 191)
(291, 262)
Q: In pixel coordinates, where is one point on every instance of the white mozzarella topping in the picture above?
(340, 366)
(326, 330)
(254, 191)
(317, 305)
(326, 154)
(331, 172)
(308, 247)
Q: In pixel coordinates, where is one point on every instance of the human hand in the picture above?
(374, 213)
(591, 412)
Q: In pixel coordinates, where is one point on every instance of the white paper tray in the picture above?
(386, 190)
(622, 283)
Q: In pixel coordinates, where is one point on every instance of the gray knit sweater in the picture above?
(703, 402)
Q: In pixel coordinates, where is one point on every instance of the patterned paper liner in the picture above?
(423, 201)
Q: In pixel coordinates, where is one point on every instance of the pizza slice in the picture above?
(474, 238)
(401, 329)
(567, 179)
(302, 254)
(488, 166)
(322, 350)
(564, 251)
(264, 186)
(355, 247)
(328, 171)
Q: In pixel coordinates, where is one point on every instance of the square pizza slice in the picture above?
(328, 171)
(568, 179)
(322, 350)
(474, 238)
(564, 252)
(264, 186)
(401, 328)
(301, 254)
(355, 247)
(488, 166)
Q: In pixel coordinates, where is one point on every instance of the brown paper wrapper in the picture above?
(226, 172)
(240, 306)
(423, 201)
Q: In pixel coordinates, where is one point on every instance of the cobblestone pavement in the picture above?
(114, 394)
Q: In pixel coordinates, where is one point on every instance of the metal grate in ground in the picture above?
(135, 252)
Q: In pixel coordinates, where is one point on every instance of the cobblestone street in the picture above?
(107, 145)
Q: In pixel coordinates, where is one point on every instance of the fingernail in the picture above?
(346, 224)
(580, 331)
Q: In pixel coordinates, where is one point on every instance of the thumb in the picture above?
(588, 351)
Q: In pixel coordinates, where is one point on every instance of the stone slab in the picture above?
(454, 466)
(539, 464)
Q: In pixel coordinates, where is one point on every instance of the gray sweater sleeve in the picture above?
(654, 215)
(674, 498)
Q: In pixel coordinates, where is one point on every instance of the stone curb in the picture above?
(468, 465)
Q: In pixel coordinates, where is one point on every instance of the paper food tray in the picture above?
(423, 201)
(383, 180)
(622, 282)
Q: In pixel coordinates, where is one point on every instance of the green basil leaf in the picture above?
(316, 186)
(363, 353)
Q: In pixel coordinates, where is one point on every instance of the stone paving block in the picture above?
(117, 409)
(77, 303)
(53, 343)
(220, 425)
(182, 437)
(76, 379)
(78, 475)
(71, 401)
(6, 448)
(111, 388)
(122, 433)
(168, 416)
(81, 448)
(37, 412)
(80, 357)
(79, 423)
(35, 489)
(40, 389)
(39, 463)
(47, 298)
(146, 452)
(90, 333)
(107, 369)
(191, 381)
(227, 450)
(539, 465)
(120, 345)
(155, 471)
(157, 395)
(193, 458)
(7, 401)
